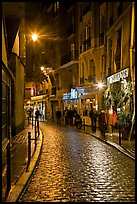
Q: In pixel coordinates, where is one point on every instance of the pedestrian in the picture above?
(37, 114)
(58, 116)
(112, 119)
(29, 113)
(102, 122)
(70, 116)
(93, 115)
(65, 114)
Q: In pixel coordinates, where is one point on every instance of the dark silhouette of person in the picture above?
(37, 114)
(65, 114)
(58, 116)
(93, 116)
(102, 122)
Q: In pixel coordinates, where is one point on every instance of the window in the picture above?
(118, 50)
(91, 77)
(72, 51)
(56, 7)
(82, 74)
(119, 8)
(110, 56)
(103, 66)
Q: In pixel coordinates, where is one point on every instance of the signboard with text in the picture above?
(116, 77)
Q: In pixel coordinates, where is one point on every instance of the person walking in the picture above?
(93, 115)
(65, 114)
(102, 122)
(58, 116)
(37, 114)
(112, 119)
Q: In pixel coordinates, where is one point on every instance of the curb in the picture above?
(18, 189)
(118, 147)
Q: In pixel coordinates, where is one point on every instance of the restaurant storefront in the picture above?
(119, 91)
(87, 100)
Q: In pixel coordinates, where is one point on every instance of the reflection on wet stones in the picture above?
(75, 167)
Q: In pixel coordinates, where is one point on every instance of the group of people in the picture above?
(30, 113)
(106, 120)
(67, 115)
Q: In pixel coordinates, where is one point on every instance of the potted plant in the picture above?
(124, 122)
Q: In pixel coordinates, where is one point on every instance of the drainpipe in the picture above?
(131, 62)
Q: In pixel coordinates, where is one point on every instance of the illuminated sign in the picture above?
(116, 77)
(66, 96)
(38, 97)
(73, 94)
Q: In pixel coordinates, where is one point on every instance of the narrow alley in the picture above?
(76, 167)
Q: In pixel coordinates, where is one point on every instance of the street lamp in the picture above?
(100, 85)
(42, 68)
(34, 37)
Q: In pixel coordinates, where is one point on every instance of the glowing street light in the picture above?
(100, 85)
(34, 37)
(42, 68)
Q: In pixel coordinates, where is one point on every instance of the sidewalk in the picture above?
(20, 174)
(127, 147)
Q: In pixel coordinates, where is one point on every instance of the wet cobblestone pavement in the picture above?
(76, 167)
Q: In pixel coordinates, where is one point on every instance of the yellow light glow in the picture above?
(34, 37)
(42, 68)
(100, 85)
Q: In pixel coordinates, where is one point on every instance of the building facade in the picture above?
(120, 65)
(13, 76)
(92, 41)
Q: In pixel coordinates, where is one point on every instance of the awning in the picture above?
(39, 98)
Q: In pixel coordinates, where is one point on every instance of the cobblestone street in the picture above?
(77, 167)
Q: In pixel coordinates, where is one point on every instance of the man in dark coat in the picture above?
(37, 114)
(93, 115)
(58, 116)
